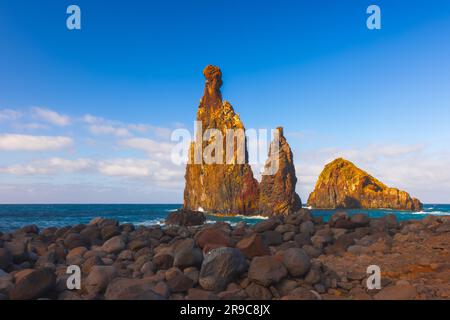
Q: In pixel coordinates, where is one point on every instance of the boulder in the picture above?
(91, 234)
(272, 238)
(99, 278)
(114, 245)
(266, 225)
(185, 218)
(137, 244)
(307, 227)
(90, 262)
(163, 261)
(131, 289)
(199, 294)
(397, 292)
(6, 283)
(6, 258)
(220, 267)
(109, 231)
(257, 292)
(126, 255)
(360, 220)
(302, 294)
(74, 240)
(17, 249)
(33, 285)
(188, 257)
(75, 256)
(32, 228)
(193, 273)
(253, 246)
(213, 236)
(178, 281)
(161, 289)
(266, 270)
(296, 261)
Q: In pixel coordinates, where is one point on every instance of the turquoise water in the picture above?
(58, 215)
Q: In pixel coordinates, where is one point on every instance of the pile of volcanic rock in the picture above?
(186, 259)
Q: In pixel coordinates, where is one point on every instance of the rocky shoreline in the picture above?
(292, 257)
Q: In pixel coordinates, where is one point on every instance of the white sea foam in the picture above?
(251, 217)
(153, 222)
(432, 213)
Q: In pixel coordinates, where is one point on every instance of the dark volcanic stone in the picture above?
(272, 238)
(266, 270)
(131, 289)
(220, 267)
(258, 292)
(266, 225)
(6, 258)
(34, 285)
(213, 236)
(74, 240)
(30, 229)
(17, 249)
(296, 261)
(163, 261)
(185, 218)
(188, 257)
(253, 246)
(110, 231)
(178, 281)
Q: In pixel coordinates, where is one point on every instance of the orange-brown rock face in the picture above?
(219, 187)
(342, 185)
(277, 191)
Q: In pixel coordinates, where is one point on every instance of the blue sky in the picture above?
(89, 112)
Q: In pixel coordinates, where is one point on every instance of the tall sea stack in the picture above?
(221, 188)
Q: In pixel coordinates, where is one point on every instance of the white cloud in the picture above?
(51, 166)
(150, 146)
(9, 115)
(153, 170)
(102, 126)
(127, 167)
(84, 192)
(20, 142)
(51, 117)
(109, 130)
(29, 126)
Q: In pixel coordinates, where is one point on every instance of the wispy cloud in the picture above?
(49, 167)
(102, 126)
(51, 116)
(150, 146)
(9, 115)
(109, 130)
(20, 142)
(119, 167)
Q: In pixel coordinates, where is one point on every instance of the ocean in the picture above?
(14, 216)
